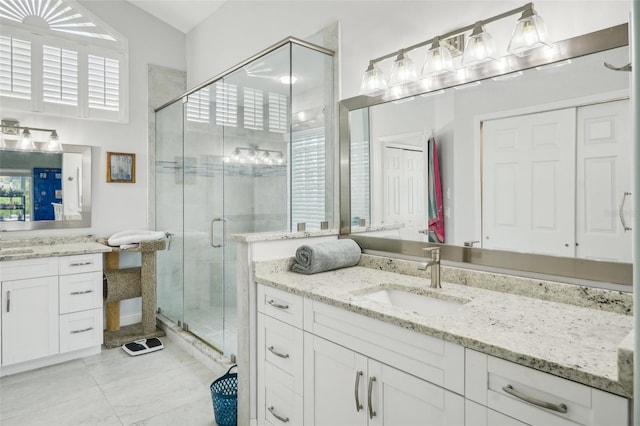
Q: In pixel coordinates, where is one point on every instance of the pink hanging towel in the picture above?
(436, 212)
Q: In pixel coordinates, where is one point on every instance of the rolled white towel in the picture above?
(134, 237)
(321, 257)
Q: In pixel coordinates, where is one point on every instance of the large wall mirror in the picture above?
(535, 165)
(42, 190)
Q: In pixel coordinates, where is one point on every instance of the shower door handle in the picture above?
(214, 220)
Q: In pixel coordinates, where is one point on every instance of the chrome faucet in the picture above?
(435, 266)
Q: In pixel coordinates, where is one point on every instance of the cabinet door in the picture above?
(29, 319)
(401, 399)
(335, 384)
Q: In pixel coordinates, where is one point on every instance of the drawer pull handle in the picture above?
(84, 330)
(372, 413)
(277, 305)
(358, 405)
(272, 410)
(276, 353)
(560, 408)
(75, 293)
(89, 262)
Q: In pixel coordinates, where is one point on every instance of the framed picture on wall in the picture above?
(121, 167)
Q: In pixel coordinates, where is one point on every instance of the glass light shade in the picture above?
(25, 143)
(373, 82)
(480, 48)
(54, 143)
(403, 71)
(529, 33)
(437, 61)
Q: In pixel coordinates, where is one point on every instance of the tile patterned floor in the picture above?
(167, 387)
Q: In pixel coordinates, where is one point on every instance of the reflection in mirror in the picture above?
(40, 190)
(536, 161)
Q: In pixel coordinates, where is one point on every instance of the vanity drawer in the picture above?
(281, 305)
(280, 401)
(80, 263)
(28, 268)
(282, 346)
(519, 392)
(80, 292)
(80, 330)
(426, 357)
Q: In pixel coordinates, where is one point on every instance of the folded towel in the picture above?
(320, 257)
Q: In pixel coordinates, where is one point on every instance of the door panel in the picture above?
(528, 183)
(604, 177)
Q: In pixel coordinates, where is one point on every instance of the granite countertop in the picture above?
(30, 248)
(589, 345)
(281, 235)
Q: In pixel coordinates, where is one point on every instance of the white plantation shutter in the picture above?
(59, 75)
(198, 106)
(308, 178)
(360, 180)
(253, 109)
(226, 104)
(103, 83)
(15, 68)
(277, 113)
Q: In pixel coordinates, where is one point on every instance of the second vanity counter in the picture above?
(588, 341)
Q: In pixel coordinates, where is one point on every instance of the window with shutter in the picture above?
(278, 113)
(226, 104)
(15, 68)
(253, 109)
(104, 83)
(59, 75)
(57, 57)
(308, 159)
(198, 106)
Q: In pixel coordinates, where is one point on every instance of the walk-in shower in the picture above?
(249, 151)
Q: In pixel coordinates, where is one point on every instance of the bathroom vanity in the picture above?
(51, 301)
(373, 344)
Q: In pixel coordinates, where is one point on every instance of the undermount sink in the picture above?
(15, 250)
(421, 304)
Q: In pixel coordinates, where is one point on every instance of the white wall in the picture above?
(117, 206)
(369, 29)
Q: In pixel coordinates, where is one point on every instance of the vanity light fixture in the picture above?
(438, 60)
(529, 34)
(403, 71)
(255, 155)
(373, 82)
(24, 140)
(480, 48)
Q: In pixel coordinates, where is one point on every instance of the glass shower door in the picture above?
(203, 220)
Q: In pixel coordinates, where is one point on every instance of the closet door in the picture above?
(528, 188)
(604, 182)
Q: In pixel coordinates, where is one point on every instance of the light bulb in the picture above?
(479, 49)
(25, 143)
(403, 71)
(54, 143)
(529, 34)
(437, 61)
(373, 83)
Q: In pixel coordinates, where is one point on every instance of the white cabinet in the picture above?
(353, 369)
(343, 387)
(538, 398)
(29, 319)
(51, 310)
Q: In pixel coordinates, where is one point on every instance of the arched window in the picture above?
(58, 58)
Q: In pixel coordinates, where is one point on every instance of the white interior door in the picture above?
(404, 194)
(528, 188)
(604, 177)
